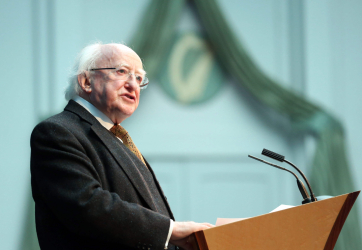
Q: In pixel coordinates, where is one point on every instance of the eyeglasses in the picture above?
(123, 73)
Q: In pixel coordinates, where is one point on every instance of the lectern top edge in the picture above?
(266, 227)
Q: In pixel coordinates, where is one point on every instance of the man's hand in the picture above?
(182, 230)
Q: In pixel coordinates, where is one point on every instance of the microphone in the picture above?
(302, 189)
(281, 158)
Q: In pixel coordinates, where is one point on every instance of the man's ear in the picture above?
(84, 83)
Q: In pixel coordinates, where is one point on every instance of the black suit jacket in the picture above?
(90, 191)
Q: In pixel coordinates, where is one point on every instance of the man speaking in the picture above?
(92, 187)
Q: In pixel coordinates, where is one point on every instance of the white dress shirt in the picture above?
(108, 124)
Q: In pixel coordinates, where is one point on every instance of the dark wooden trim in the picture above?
(201, 241)
(342, 216)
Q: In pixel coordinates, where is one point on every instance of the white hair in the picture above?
(86, 60)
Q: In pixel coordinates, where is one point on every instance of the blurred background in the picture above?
(196, 129)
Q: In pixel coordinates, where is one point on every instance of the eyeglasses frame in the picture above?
(143, 86)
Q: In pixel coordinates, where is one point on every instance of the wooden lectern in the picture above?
(312, 226)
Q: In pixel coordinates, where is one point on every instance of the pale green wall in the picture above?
(39, 40)
(17, 116)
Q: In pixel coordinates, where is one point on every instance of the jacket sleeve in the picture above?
(65, 180)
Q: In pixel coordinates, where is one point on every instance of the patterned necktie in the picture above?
(121, 133)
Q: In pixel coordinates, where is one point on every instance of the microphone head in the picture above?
(273, 155)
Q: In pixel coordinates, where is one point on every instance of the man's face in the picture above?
(116, 98)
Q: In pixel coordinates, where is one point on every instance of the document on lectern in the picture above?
(223, 221)
(281, 207)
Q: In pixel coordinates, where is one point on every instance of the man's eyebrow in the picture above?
(123, 65)
(141, 71)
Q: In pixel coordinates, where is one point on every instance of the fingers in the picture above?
(208, 225)
(181, 233)
(203, 226)
(183, 229)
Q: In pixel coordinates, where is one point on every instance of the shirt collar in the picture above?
(102, 118)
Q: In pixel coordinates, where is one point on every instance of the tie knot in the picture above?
(121, 133)
(118, 131)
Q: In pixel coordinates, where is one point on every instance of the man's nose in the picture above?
(131, 81)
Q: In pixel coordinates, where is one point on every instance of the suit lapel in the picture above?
(118, 151)
(159, 189)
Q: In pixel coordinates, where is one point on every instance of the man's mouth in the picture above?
(129, 96)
